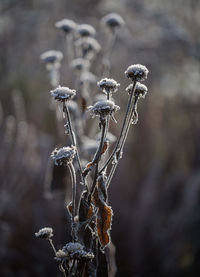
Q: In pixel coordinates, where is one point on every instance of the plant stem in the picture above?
(65, 108)
(73, 179)
(125, 122)
(98, 157)
(54, 250)
(119, 151)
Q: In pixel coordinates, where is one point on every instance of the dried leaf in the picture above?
(104, 214)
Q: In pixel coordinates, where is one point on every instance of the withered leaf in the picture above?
(104, 214)
(85, 210)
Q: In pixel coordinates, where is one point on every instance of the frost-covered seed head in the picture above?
(113, 20)
(108, 85)
(103, 108)
(89, 45)
(52, 56)
(80, 64)
(44, 233)
(75, 250)
(86, 30)
(137, 72)
(66, 25)
(61, 255)
(63, 155)
(140, 90)
(63, 93)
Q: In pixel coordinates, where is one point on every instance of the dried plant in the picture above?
(89, 161)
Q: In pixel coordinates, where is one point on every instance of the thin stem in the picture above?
(54, 250)
(73, 179)
(98, 157)
(66, 109)
(52, 245)
(125, 122)
(122, 143)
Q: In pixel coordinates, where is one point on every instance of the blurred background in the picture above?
(155, 193)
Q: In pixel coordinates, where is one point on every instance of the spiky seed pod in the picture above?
(66, 25)
(86, 30)
(103, 108)
(63, 155)
(80, 64)
(51, 56)
(108, 85)
(113, 21)
(140, 90)
(137, 72)
(63, 93)
(45, 233)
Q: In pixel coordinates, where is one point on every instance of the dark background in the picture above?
(155, 193)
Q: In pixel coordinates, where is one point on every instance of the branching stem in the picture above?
(124, 125)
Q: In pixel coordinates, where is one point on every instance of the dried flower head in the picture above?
(89, 46)
(108, 85)
(86, 30)
(88, 77)
(103, 108)
(74, 250)
(140, 90)
(51, 56)
(80, 64)
(63, 155)
(44, 233)
(66, 25)
(63, 93)
(137, 72)
(113, 20)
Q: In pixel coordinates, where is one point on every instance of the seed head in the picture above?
(137, 72)
(89, 46)
(63, 93)
(51, 56)
(140, 90)
(74, 250)
(63, 155)
(44, 233)
(86, 30)
(113, 20)
(80, 64)
(108, 85)
(66, 25)
(103, 108)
